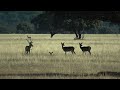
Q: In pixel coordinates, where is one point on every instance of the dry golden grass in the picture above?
(15, 64)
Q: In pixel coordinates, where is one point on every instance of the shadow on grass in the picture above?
(113, 74)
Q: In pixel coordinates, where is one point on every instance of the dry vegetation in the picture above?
(40, 64)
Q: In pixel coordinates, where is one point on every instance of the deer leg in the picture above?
(26, 52)
(89, 52)
(29, 52)
(83, 52)
(74, 52)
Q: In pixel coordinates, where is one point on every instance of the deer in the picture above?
(85, 48)
(52, 33)
(51, 53)
(28, 48)
(68, 48)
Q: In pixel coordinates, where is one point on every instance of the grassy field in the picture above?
(41, 65)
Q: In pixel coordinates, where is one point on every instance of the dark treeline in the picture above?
(77, 22)
(10, 19)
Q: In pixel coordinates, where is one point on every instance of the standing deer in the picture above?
(27, 48)
(85, 48)
(67, 49)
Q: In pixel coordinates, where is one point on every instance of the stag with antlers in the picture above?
(28, 48)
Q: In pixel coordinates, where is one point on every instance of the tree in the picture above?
(57, 21)
(95, 24)
(4, 30)
(80, 25)
(24, 28)
(76, 26)
(76, 22)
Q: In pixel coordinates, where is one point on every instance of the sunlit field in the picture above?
(39, 64)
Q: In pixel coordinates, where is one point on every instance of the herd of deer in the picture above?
(71, 48)
(65, 48)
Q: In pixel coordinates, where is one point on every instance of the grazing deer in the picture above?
(27, 48)
(85, 48)
(51, 27)
(68, 49)
(51, 53)
(52, 34)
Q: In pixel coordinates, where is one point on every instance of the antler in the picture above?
(31, 41)
(27, 41)
(29, 38)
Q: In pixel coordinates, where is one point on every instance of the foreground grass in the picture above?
(105, 56)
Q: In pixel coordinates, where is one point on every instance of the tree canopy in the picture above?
(75, 21)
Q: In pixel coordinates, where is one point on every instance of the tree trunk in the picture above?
(76, 34)
(79, 36)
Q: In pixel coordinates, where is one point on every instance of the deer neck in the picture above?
(30, 46)
(80, 46)
(62, 46)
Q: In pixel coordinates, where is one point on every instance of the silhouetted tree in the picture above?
(24, 28)
(73, 21)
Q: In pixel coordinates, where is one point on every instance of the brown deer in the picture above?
(85, 48)
(28, 48)
(68, 48)
(51, 53)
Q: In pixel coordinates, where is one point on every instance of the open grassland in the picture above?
(41, 65)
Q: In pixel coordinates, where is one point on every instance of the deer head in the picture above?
(62, 44)
(30, 43)
(51, 53)
(80, 44)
